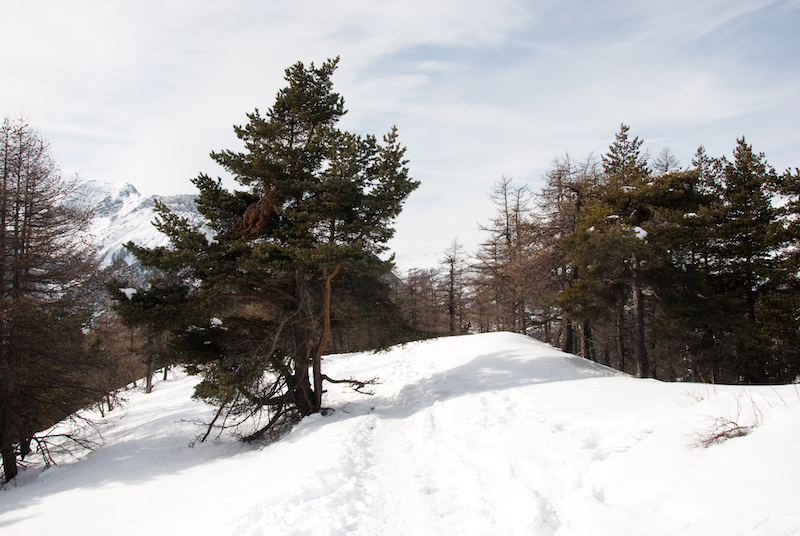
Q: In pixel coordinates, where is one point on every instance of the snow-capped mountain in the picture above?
(123, 215)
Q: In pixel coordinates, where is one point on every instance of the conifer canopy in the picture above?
(317, 206)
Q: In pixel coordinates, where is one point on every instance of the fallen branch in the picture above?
(721, 430)
(214, 420)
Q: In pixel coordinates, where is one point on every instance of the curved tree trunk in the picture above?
(327, 277)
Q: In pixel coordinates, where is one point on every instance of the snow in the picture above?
(481, 434)
(128, 292)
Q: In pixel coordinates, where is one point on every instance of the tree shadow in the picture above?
(158, 447)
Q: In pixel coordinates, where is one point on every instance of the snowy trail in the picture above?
(492, 434)
(414, 457)
(434, 471)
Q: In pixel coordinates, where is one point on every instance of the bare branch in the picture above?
(359, 386)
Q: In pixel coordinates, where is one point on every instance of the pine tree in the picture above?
(779, 310)
(155, 316)
(677, 234)
(743, 258)
(608, 245)
(568, 186)
(317, 202)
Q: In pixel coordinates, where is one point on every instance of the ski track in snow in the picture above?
(492, 434)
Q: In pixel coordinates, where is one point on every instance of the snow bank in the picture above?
(481, 434)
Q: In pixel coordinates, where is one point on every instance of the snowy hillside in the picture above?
(123, 215)
(492, 434)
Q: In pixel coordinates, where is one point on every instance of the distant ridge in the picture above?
(123, 215)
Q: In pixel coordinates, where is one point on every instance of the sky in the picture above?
(141, 92)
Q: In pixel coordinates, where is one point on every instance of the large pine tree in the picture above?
(608, 246)
(317, 204)
(748, 240)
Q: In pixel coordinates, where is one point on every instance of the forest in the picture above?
(676, 273)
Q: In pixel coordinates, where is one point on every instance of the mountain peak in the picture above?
(123, 215)
(126, 190)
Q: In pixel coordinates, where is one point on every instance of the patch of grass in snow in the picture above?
(720, 429)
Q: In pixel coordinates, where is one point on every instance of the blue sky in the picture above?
(142, 91)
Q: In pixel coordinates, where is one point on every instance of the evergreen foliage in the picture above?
(290, 258)
(691, 272)
(698, 253)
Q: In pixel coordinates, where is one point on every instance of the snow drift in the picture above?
(480, 434)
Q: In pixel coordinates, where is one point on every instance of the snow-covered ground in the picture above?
(482, 434)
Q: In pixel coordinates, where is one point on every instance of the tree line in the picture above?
(680, 273)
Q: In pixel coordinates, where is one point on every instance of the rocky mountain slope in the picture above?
(123, 215)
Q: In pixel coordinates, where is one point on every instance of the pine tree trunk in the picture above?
(326, 332)
(7, 448)
(621, 333)
(642, 363)
(299, 382)
(150, 371)
(586, 340)
(566, 342)
(9, 461)
(547, 325)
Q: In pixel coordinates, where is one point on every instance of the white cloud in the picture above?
(141, 92)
